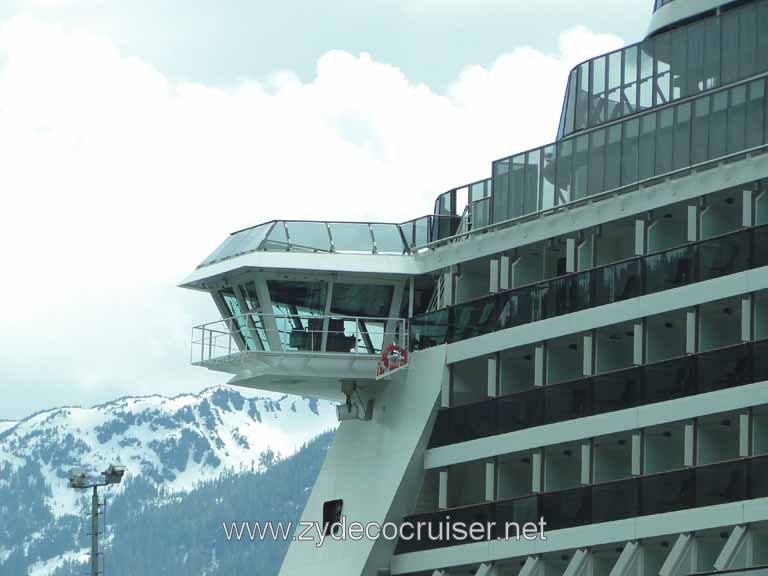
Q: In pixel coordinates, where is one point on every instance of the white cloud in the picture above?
(116, 181)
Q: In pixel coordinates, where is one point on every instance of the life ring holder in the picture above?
(386, 363)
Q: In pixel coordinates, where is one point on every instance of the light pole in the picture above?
(79, 480)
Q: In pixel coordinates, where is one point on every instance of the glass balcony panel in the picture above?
(481, 514)
(567, 401)
(467, 422)
(760, 246)
(700, 131)
(718, 123)
(617, 282)
(580, 168)
(664, 139)
(758, 477)
(629, 152)
(615, 500)
(432, 524)
(474, 318)
(613, 158)
(760, 361)
(565, 295)
(521, 411)
(721, 483)
(669, 380)
(549, 159)
(596, 162)
(737, 118)
(421, 228)
(351, 237)
(532, 177)
(724, 255)
(756, 114)
(647, 144)
(519, 510)
(516, 308)
(500, 198)
(388, 239)
(567, 509)
(667, 492)
(669, 269)
(564, 178)
(430, 329)
(682, 151)
(309, 236)
(617, 390)
(516, 186)
(724, 368)
(480, 213)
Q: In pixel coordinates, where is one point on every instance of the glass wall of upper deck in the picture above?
(472, 201)
(673, 65)
(334, 237)
(724, 122)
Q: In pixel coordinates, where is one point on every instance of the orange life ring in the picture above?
(385, 354)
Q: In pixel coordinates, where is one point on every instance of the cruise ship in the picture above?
(579, 340)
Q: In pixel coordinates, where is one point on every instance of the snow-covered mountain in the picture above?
(173, 443)
(6, 424)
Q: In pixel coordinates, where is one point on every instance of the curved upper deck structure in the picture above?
(669, 13)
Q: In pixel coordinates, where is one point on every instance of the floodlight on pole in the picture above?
(79, 480)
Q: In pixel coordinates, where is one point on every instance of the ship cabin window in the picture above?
(352, 321)
(516, 370)
(469, 381)
(615, 347)
(565, 359)
(562, 467)
(718, 438)
(665, 336)
(612, 457)
(332, 510)
(515, 476)
(664, 448)
(466, 484)
(719, 324)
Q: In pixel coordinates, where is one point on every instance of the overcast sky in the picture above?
(134, 136)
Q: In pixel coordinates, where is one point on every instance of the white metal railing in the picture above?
(255, 332)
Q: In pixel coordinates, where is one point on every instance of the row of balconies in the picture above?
(639, 276)
(733, 481)
(728, 367)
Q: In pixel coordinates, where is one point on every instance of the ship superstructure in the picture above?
(582, 337)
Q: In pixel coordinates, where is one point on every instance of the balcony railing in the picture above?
(681, 377)
(681, 266)
(721, 483)
(254, 332)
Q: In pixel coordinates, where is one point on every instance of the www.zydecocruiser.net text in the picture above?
(355, 531)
